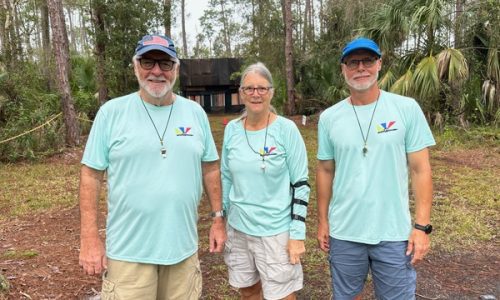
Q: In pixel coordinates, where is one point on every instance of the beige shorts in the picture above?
(251, 258)
(128, 280)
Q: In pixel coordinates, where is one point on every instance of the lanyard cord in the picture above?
(265, 137)
(154, 125)
(365, 140)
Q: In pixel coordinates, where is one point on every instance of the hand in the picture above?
(296, 249)
(93, 256)
(217, 236)
(418, 244)
(324, 236)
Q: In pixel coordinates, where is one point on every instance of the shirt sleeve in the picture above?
(226, 178)
(96, 154)
(325, 147)
(298, 171)
(418, 133)
(210, 153)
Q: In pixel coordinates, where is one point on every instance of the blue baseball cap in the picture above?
(156, 42)
(360, 44)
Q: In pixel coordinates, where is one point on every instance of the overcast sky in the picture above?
(194, 10)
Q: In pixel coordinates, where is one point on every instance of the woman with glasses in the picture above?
(265, 194)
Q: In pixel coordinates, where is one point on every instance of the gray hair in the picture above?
(260, 69)
(263, 71)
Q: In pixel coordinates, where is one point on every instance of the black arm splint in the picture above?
(298, 201)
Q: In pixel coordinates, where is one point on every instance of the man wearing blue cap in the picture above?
(371, 142)
(157, 150)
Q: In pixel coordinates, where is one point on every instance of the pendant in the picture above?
(263, 166)
(365, 150)
(163, 152)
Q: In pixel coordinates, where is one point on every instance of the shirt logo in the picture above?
(267, 151)
(386, 127)
(183, 131)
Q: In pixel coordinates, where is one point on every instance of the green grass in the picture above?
(4, 285)
(465, 210)
(24, 254)
(31, 188)
(453, 138)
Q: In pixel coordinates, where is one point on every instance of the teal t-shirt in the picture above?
(258, 201)
(152, 201)
(370, 201)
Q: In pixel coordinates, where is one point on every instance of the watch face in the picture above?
(427, 228)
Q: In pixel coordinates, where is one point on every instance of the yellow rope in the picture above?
(86, 120)
(36, 128)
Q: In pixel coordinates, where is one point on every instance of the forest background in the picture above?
(61, 60)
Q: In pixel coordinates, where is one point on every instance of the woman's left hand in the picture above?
(296, 249)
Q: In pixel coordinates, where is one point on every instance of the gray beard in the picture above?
(154, 92)
(157, 94)
(361, 87)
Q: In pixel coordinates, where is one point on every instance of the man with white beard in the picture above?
(158, 152)
(368, 146)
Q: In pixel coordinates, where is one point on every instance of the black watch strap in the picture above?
(425, 228)
(219, 213)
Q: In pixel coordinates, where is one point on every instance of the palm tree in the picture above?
(417, 59)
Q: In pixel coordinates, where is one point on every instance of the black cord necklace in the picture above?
(365, 139)
(163, 150)
(263, 154)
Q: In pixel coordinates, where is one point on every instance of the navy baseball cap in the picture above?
(360, 44)
(156, 42)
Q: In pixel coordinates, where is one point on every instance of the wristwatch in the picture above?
(219, 213)
(425, 228)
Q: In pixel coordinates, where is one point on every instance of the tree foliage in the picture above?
(445, 53)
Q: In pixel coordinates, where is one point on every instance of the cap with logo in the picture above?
(156, 42)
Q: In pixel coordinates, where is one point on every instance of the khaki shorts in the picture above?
(128, 280)
(252, 258)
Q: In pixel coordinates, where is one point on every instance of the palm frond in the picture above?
(425, 78)
(387, 80)
(493, 69)
(488, 95)
(452, 66)
(403, 85)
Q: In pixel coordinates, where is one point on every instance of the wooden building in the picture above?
(211, 83)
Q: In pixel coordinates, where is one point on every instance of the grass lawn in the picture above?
(466, 172)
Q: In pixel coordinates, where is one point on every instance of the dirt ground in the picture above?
(54, 273)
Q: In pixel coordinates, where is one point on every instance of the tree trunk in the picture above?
(9, 41)
(98, 10)
(321, 18)
(227, 38)
(4, 46)
(167, 16)
(459, 9)
(305, 34)
(61, 54)
(254, 29)
(84, 41)
(17, 41)
(46, 65)
(71, 32)
(183, 18)
(290, 81)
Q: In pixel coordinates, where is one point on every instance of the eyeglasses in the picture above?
(248, 90)
(354, 63)
(149, 64)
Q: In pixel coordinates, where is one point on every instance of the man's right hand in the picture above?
(92, 256)
(324, 236)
